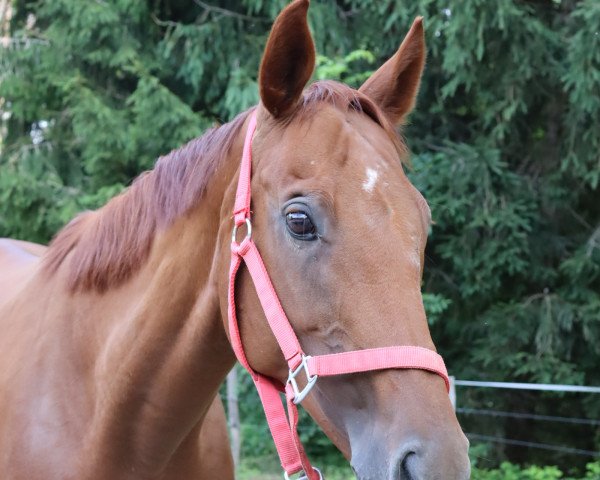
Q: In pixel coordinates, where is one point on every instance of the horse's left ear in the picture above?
(288, 61)
(395, 85)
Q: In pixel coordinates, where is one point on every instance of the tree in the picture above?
(505, 142)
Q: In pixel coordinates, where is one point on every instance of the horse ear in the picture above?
(395, 85)
(288, 61)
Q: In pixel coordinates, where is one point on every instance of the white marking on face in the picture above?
(369, 183)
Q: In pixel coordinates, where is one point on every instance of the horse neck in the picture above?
(164, 348)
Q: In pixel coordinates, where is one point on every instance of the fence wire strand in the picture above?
(522, 443)
(528, 416)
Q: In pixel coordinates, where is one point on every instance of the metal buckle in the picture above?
(303, 475)
(248, 231)
(299, 395)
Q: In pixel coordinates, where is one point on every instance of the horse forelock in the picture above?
(346, 98)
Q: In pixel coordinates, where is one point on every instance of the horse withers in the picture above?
(115, 342)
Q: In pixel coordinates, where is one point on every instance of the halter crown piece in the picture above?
(284, 428)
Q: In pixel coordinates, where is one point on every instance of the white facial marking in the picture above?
(369, 183)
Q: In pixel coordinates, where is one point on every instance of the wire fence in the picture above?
(528, 416)
(523, 443)
(547, 387)
(479, 437)
(476, 435)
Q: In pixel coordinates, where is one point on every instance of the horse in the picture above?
(116, 337)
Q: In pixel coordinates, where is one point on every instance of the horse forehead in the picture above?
(323, 134)
(333, 136)
(344, 152)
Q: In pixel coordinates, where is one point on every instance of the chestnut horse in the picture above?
(115, 342)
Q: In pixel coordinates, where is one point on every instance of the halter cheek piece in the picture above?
(284, 428)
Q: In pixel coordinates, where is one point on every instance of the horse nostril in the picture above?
(408, 466)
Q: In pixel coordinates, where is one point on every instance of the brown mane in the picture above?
(111, 243)
(108, 245)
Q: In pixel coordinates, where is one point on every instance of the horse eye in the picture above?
(300, 226)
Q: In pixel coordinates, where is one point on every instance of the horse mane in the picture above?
(108, 245)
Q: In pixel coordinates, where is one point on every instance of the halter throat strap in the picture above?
(284, 428)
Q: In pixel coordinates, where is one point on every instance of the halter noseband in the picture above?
(284, 428)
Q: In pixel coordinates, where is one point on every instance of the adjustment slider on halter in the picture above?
(299, 395)
(303, 475)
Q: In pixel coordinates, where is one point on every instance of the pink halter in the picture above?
(291, 453)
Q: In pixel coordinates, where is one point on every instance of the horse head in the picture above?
(342, 233)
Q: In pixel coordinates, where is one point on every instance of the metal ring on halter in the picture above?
(303, 473)
(299, 395)
(248, 231)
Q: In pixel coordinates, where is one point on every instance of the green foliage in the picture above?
(505, 142)
(346, 69)
(88, 108)
(508, 471)
(435, 305)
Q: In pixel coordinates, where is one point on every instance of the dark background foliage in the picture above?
(505, 142)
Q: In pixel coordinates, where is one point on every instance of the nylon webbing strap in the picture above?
(406, 357)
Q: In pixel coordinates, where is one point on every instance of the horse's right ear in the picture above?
(288, 61)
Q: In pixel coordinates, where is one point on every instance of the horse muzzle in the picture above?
(436, 459)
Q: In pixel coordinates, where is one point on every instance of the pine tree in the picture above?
(505, 141)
